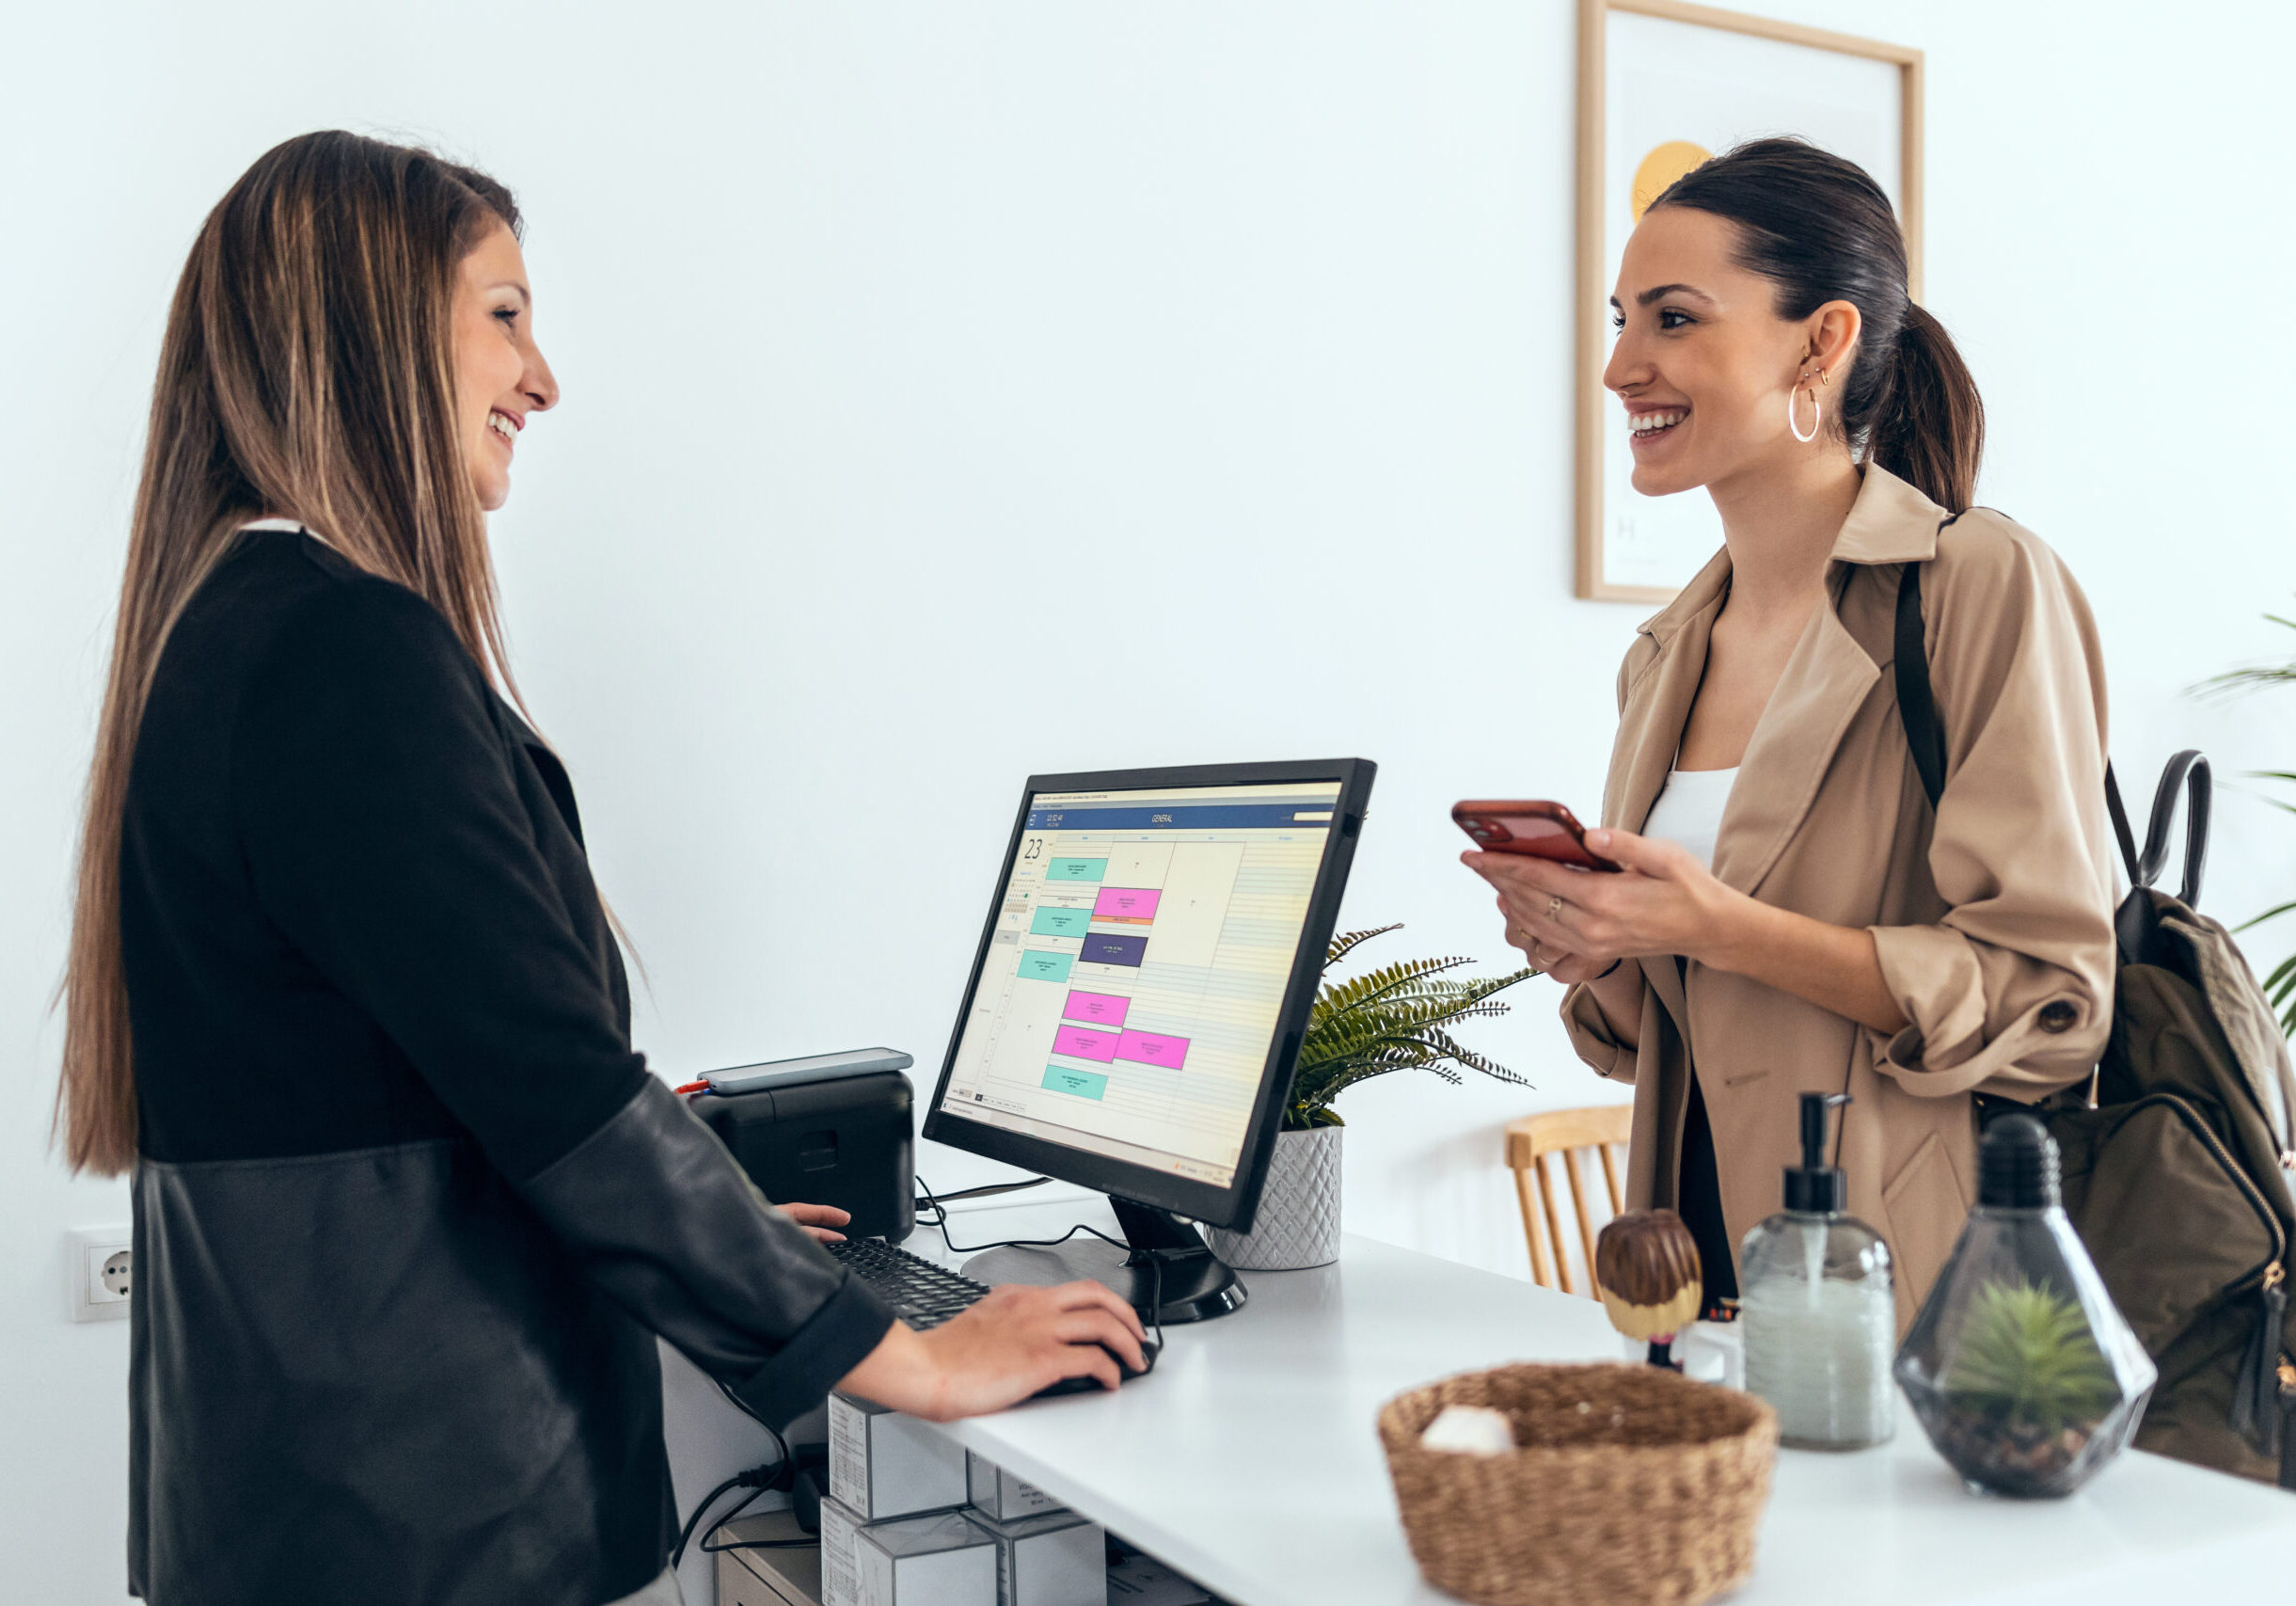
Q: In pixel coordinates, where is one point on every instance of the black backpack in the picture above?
(2178, 1153)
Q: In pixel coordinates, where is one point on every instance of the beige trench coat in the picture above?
(1994, 930)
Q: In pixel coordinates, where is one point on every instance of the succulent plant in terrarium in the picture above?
(2028, 1384)
(2022, 1372)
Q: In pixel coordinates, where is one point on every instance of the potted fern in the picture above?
(1395, 1018)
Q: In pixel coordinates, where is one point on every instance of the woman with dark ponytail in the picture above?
(1792, 916)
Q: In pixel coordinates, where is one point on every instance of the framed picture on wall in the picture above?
(1662, 85)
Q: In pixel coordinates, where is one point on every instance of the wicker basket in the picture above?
(1630, 1484)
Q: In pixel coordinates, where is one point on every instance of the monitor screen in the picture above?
(1136, 970)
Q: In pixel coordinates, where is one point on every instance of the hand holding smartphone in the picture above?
(1533, 828)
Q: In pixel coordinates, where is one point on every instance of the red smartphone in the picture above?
(1537, 829)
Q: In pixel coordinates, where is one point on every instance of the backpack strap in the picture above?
(1917, 706)
(2188, 772)
(2120, 824)
(1917, 710)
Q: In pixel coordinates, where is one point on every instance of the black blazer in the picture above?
(409, 1210)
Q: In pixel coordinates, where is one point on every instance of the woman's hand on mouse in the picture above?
(1572, 924)
(1001, 1350)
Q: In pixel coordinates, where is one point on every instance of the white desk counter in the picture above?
(1249, 1461)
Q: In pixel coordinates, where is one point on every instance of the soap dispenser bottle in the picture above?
(1819, 1315)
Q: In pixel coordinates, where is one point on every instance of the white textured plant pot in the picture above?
(1298, 1224)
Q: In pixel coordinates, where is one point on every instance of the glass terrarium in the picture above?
(2021, 1369)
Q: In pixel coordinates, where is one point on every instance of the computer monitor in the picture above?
(1144, 979)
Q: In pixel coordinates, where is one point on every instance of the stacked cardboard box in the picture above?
(1055, 1558)
(911, 1520)
(997, 1493)
(884, 1464)
(941, 1558)
(768, 1561)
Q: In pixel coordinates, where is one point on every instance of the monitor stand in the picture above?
(1195, 1284)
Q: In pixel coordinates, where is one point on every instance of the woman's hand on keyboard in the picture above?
(818, 1221)
(1013, 1342)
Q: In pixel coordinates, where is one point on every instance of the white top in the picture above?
(1689, 810)
(1248, 1461)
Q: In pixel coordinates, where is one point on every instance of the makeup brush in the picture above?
(1646, 1268)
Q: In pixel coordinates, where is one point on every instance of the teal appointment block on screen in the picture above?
(1075, 869)
(1060, 922)
(1037, 965)
(1084, 1084)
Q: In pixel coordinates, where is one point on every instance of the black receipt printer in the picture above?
(829, 1129)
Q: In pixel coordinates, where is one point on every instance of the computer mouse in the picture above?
(1092, 1385)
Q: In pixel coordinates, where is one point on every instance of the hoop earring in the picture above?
(1818, 407)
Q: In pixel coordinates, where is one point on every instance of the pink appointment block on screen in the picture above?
(1101, 1009)
(1086, 1045)
(1146, 1048)
(1125, 903)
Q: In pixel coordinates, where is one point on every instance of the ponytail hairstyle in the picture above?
(307, 372)
(1820, 228)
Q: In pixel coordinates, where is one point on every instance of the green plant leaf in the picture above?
(2235, 682)
(2025, 1355)
(2253, 678)
(2280, 992)
(1366, 990)
(2268, 915)
(1391, 1019)
(1346, 942)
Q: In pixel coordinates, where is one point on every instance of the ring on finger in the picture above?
(1554, 907)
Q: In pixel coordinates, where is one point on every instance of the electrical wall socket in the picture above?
(99, 1273)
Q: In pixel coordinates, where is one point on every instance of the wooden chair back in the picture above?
(1568, 1133)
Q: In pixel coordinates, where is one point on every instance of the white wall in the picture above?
(888, 334)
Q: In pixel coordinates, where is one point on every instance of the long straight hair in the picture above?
(307, 372)
(1819, 226)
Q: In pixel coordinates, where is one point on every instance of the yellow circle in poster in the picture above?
(1661, 167)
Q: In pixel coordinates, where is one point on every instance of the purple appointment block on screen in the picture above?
(1102, 948)
(1151, 1048)
(1086, 1045)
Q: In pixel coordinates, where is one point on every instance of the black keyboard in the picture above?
(922, 1294)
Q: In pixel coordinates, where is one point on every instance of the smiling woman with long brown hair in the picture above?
(409, 1210)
